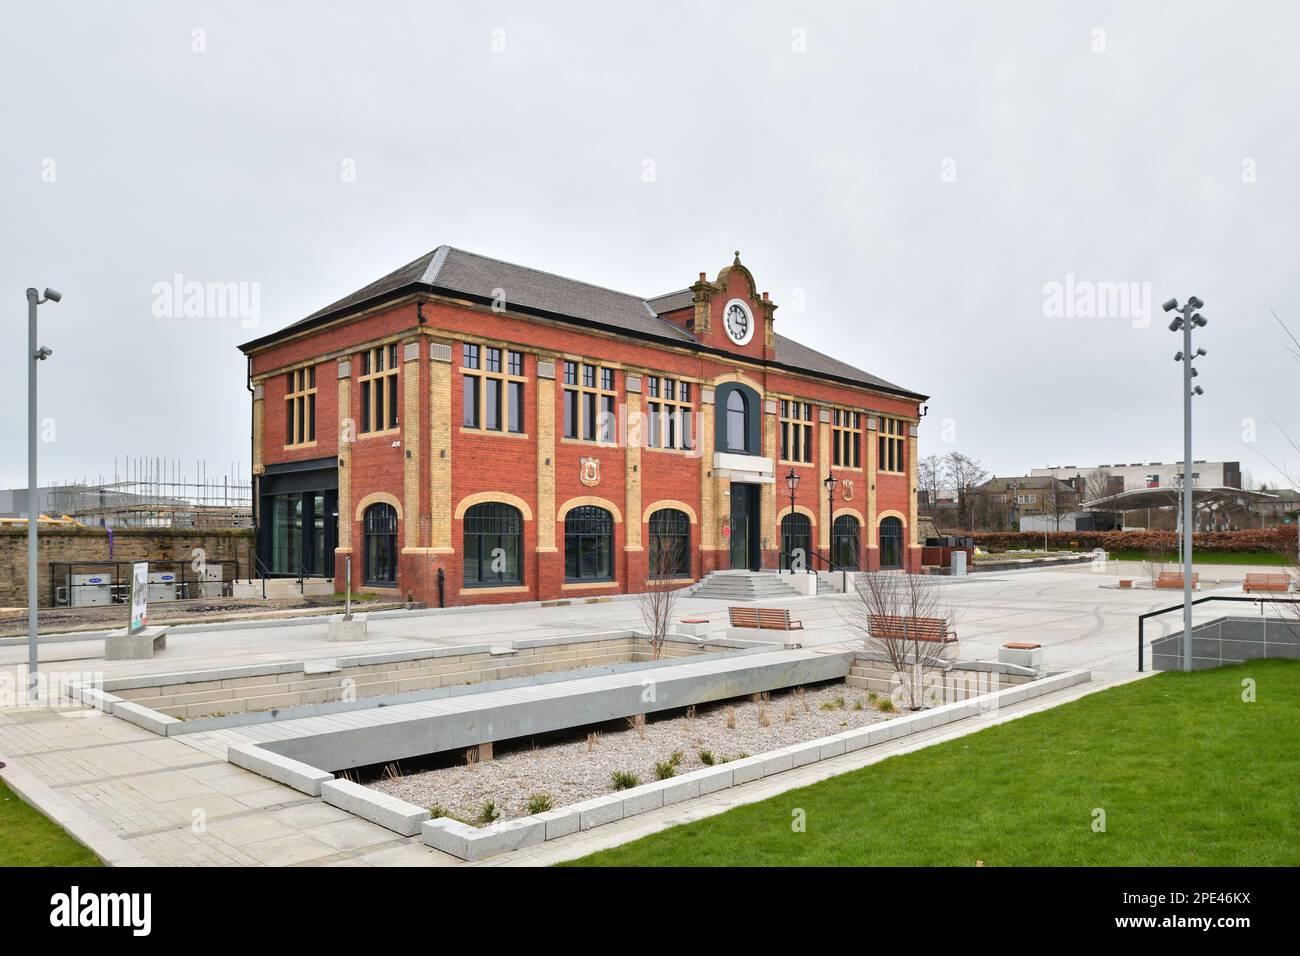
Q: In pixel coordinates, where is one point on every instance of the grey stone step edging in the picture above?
(473, 843)
(476, 843)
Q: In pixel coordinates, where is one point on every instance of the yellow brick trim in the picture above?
(709, 486)
(669, 503)
(440, 455)
(852, 512)
(411, 448)
(871, 486)
(589, 500)
(374, 498)
(344, 432)
(480, 497)
(259, 423)
(823, 503)
(633, 472)
(911, 490)
(545, 465)
(767, 493)
(799, 509)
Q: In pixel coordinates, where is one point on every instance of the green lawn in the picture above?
(28, 838)
(1186, 772)
(1270, 558)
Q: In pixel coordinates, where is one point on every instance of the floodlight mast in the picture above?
(1187, 319)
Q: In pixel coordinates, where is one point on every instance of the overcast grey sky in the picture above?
(915, 173)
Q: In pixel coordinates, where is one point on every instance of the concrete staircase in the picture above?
(740, 587)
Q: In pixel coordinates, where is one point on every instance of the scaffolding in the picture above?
(156, 493)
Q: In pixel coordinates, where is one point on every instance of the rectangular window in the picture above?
(590, 409)
(796, 431)
(378, 384)
(570, 414)
(669, 419)
(846, 438)
(516, 406)
(493, 389)
(300, 407)
(890, 447)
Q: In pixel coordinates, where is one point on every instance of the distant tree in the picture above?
(1097, 484)
(929, 478)
(1058, 501)
(963, 473)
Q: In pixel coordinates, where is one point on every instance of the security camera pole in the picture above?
(1187, 318)
(35, 353)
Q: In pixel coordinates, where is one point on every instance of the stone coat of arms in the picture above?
(589, 471)
(846, 487)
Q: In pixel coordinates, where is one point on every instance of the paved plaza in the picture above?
(139, 798)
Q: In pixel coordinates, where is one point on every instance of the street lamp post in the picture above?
(791, 482)
(1187, 318)
(830, 481)
(35, 353)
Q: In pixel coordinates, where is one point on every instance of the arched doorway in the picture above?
(891, 543)
(588, 544)
(796, 537)
(846, 537)
(670, 544)
(379, 553)
(493, 545)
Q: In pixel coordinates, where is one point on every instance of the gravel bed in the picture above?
(570, 772)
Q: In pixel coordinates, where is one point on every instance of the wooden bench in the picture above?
(889, 627)
(763, 618)
(1267, 582)
(1174, 580)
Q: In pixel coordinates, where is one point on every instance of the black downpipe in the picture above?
(253, 487)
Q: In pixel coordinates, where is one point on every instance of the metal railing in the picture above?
(1142, 618)
(831, 566)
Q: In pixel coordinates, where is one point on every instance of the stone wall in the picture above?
(91, 544)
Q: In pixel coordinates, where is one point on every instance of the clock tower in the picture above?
(731, 315)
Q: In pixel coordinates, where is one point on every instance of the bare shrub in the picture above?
(658, 600)
(882, 615)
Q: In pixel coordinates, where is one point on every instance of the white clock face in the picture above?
(738, 321)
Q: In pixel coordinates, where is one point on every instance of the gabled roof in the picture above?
(456, 272)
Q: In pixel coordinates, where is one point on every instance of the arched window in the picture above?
(588, 544)
(796, 537)
(737, 421)
(846, 535)
(379, 537)
(891, 543)
(494, 545)
(670, 544)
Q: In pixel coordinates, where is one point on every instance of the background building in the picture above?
(1098, 481)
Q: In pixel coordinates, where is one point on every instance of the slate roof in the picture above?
(455, 271)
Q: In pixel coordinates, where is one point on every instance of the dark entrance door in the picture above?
(746, 528)
(297, 521)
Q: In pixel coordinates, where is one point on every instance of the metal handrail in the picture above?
(830, 566)
(1142, 618)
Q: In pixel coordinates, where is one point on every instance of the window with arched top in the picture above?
(379, 545)
(796, 541)
(493, 545)
(891, 542)
(670, 544)
(588, 544)
(737, 422)
(846, 537)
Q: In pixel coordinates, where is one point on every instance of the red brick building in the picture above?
(489, 432)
